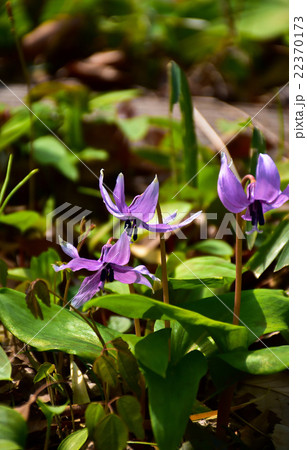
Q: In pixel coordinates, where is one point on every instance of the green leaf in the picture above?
(120, 324)
(48, 150)
(127, 366)
(59, 330)
(269, 250)
(258, 146)
(214, 247)
(41, 267)
(152, 351)
(13, 428)
(44, 369)
(207, 270)
(171, 398)
(262, 310)
(37, 289)
(129, 410)
(283, 259)
(105, 369)
(93, 154)
(105, 100)
(5, 366)
(94, 413)
(135, 128)
(265, 361)
(78, 385)
(74, 441)
(174, 74)
(50, 410)
(111, 434)
(13, 129)
(23, 220)
(136, 306)
(3, 272)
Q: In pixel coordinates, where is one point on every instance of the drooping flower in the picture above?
(262, 194)
(109, 267)
(141, 210)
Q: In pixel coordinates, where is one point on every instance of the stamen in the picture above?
(111, 275)
(259, 212)
(103, 275)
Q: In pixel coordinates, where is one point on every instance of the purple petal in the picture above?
(143, 270)
(229, 188)
(111, 207)
(119, 193)
(165, 227)
(68, 248)
(267, 179)
(280, 200)
(129, 275)
(89, 287)
(119, 253)
(169, 219)
(143, 206)
(80, 263)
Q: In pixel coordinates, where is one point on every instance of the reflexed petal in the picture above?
(229, 188)
(111, 207)
(68, 248)
(78, 264)
(169, 219)
(143, 270)
(280, 200)
(246, 215)
(143, 206)
(119, 253)
(267, 179)
(89, 287)
(119, 193)
(129, 275)
(165, 227)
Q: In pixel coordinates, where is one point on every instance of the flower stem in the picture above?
(163, 264)
(137, 323)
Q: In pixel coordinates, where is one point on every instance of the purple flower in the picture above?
(262, 194)
(110, 266)
(141, 210)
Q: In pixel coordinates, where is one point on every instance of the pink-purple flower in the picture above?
(141, 210)
(262, 194)
(109, 267)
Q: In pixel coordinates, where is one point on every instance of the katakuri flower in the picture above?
(141, 210)
(109, 267)
(262, 194)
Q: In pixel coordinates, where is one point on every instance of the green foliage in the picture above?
(93, 415)
(5, 366)
(74, 441)
(13, 429)
(129, 410)
(111, 434)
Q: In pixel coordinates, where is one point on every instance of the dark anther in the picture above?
(135, 233)
(103, 275)
(259, 212)
(110, 275)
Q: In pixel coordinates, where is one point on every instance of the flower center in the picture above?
(107, 274)
(256, 213)
(131, 228)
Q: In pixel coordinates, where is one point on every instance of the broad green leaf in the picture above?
(13, 428)
(259, 362)
(60, 329)
(3, 272)
(269, 250)
(19, 274)
(214, 247)
(50, 410)
(44, 370)
(136, 306)
(207, 270)
(78, 385)
(283, 258)
(129, 410)
(111, 434)
(5, 366)
(23, 220)
(94, 413)
(262, 310)
(120, 324)
(74, 441)
(105, 369)
(93, 154)
(171, 398)
(50, 151)
(152, 351)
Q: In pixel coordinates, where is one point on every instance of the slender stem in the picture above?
(22, 182)
(238, 286)
(163, 264)
(91, 324)
(7, 177)
(137, 323)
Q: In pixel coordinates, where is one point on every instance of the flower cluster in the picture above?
(112, 264)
